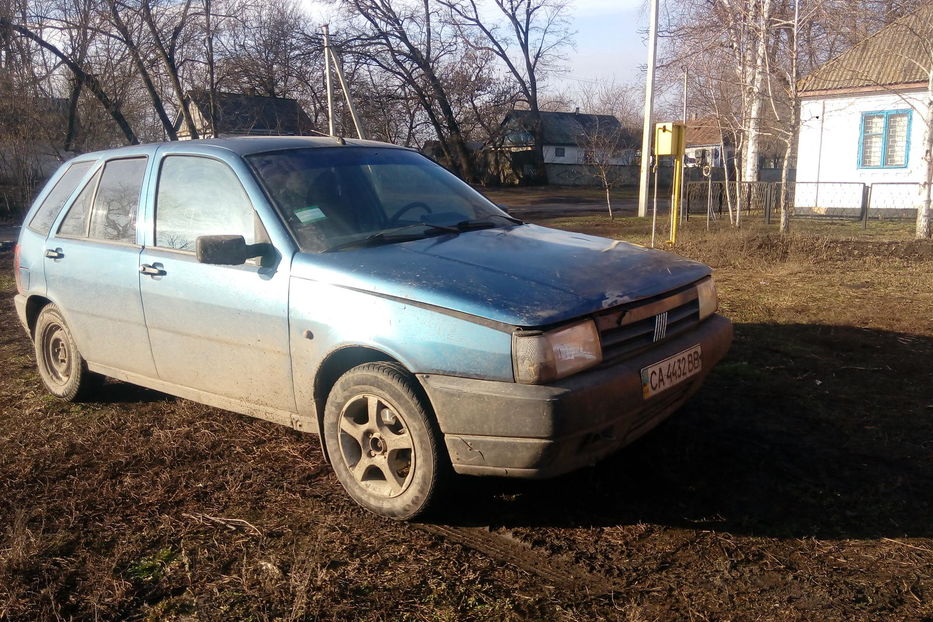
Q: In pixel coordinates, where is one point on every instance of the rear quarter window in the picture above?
(53, 203)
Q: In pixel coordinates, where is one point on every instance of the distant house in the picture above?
(244, 115)
(705, 144)
(862, 120)
(571, 140)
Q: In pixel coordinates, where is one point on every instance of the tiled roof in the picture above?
(705, 131)
(899, 53)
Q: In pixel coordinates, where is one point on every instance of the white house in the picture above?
(863, 118)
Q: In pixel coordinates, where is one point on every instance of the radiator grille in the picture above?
(629, 329)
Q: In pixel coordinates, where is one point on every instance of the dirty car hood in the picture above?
(524, 276)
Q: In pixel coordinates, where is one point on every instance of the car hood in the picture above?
(524, 275)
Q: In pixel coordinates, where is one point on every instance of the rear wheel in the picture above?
(63, 370)
(382, 443)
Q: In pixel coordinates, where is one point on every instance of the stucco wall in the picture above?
(574, 155)
(828, 152)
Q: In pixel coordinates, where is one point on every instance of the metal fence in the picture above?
(816, 200)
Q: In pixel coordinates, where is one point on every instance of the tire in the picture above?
(382, 442)
(63, 370)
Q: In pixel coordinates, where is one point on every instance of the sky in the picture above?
(610, 45)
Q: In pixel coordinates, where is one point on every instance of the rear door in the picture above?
(92, 267)
(219, 329)
(33, 236)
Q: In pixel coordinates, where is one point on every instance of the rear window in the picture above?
(52, 205)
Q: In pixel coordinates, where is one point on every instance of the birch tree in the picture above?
(917, 52)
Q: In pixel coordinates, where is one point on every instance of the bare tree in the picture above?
(406, 40)
(166, 24)
(131, 40)
(608, 130)
(540, 31)
(29, 31)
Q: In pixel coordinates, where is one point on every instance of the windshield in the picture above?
(335, 197)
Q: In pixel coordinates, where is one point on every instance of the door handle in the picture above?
(55, 253)
(152, 269)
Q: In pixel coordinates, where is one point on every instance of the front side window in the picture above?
(116, 203)
(53, 203)
(200, 196)
(885, 139)
(559, 152)
(334, 196)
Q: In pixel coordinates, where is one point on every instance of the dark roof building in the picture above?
(897, 55)
(559, 128)
(245, 115)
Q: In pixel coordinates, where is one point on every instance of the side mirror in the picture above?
(226, 250)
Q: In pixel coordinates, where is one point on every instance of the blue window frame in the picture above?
(884, 139)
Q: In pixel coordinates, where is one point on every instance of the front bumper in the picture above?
(536, 431)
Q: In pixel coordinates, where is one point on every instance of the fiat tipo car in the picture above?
(359, 291)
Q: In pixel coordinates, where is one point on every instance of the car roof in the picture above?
(244, 145)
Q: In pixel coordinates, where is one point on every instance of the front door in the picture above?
(219, 329)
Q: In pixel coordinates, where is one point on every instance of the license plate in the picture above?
(670, 372)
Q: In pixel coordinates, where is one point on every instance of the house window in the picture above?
(558, 152)
(885, 139)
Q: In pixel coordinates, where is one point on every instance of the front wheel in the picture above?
(382, 443)
(61, 366)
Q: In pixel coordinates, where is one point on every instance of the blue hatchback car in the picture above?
(359, 291)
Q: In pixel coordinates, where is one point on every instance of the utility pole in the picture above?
(649, 111)
(327, 79)
(346, 95)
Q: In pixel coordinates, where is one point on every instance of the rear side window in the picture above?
(106, 208)
(200, 196)
(75, 222)
(52, 205)
(117, 201)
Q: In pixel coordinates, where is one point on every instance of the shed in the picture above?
(236, 114)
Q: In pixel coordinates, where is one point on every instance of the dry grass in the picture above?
(797, 485)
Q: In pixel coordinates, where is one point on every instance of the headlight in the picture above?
(709, 299)
(543, 357)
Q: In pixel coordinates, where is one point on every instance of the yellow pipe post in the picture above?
(675, 199)
(670, 140)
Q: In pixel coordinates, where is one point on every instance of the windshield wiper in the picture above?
(390, 235)
(485, 223)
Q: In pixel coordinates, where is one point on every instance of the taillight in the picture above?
(16, 275)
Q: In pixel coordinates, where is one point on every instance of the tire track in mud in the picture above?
(555, 572)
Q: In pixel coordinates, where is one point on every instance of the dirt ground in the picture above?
(797, 485)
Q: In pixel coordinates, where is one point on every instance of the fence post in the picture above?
(768, 197)
(687, 202)
(866, 201)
